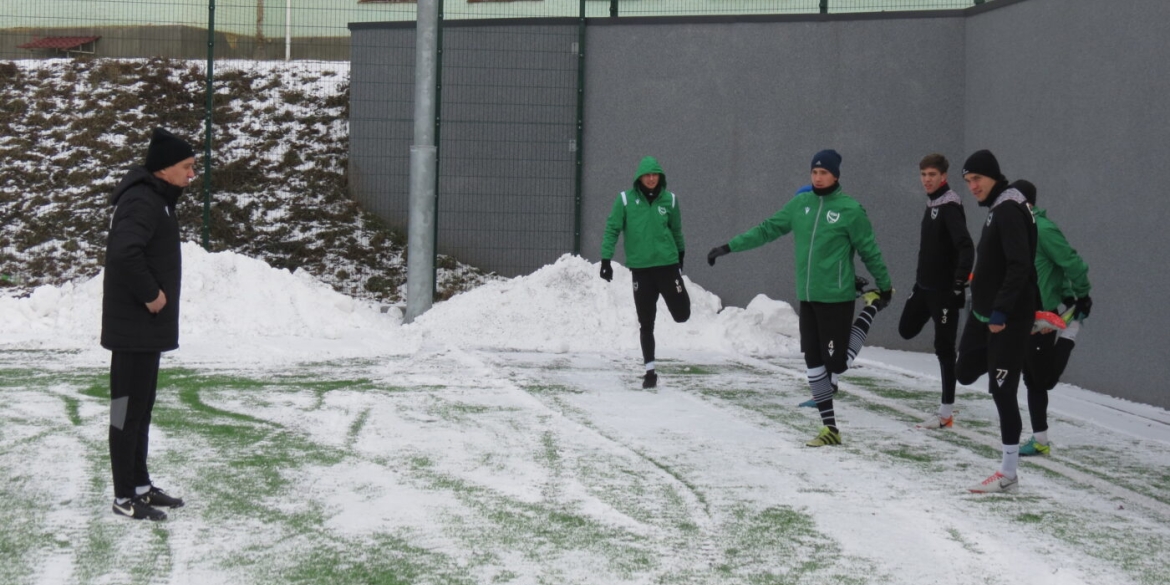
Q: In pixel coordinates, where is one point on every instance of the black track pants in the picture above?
(649, 284)
(1047, 357)
(938, 306)
(1001, 357)
(133, 385)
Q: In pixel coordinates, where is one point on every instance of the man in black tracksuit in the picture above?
(1003, 306)
(140, 312)
(945, 257)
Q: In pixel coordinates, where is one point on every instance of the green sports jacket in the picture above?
(828, 231)
(653, 230)
(1060, 271)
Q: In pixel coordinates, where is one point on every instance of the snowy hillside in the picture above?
(72, 127)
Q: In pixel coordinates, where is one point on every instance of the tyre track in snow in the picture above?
(700, 507)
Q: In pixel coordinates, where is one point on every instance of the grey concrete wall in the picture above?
(735, 112)
(1072, 95)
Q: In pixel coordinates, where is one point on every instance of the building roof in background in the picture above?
(59, 43)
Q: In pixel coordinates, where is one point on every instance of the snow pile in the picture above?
(228, 294)
(566, 307)
(239, 306)
(226, 297)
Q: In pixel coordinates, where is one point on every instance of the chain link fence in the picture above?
(82, 82)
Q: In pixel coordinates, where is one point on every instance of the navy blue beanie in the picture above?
(829, 160)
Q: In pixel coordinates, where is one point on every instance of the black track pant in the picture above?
(1001, 357)
(649, 284)
(133, 385)
(1047, 357)
(938, 306)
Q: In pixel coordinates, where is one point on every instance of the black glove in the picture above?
(606, 271)
(717, 252)
(883, 299)
(859, 284)
(681, 253)
(959, 290)
(1084, 305)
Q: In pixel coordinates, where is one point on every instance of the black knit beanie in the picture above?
(165, 150)
(984, 163)
(1027, 188)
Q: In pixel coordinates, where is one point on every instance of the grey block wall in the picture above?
(1072, 95)
(507, 140)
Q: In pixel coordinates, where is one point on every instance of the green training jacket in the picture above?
(828, 230)
(653, 229)
(1060, 271)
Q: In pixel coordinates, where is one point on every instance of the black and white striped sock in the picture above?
(822, 391)
(859, 332)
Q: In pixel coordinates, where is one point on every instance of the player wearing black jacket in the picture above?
(1003, 306)
(945, 257)
(140, 312)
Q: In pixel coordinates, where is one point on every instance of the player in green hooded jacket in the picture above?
(829, 228)
(1062, 277)
(649, 216)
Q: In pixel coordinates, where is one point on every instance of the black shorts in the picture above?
(824, 334)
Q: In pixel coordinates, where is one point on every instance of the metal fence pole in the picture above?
(287, 30)
(824, 6)
(613, 8)
(580, 147)
(207, 132)
(438, 140)
(420, 264)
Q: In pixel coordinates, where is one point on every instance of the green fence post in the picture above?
(824, 6)
(613, 9)
(207, 133)
(580, 128)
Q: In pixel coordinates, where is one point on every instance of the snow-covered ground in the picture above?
(503, 438)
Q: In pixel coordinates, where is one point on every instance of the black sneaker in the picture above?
(651, 380)
(158, 498)
(138, 510)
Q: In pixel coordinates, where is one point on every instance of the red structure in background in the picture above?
(64, 44)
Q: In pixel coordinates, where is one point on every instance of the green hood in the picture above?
(647, 166)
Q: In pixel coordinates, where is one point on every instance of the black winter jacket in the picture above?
(1005, 271)
(142, 257)
(946, 253)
